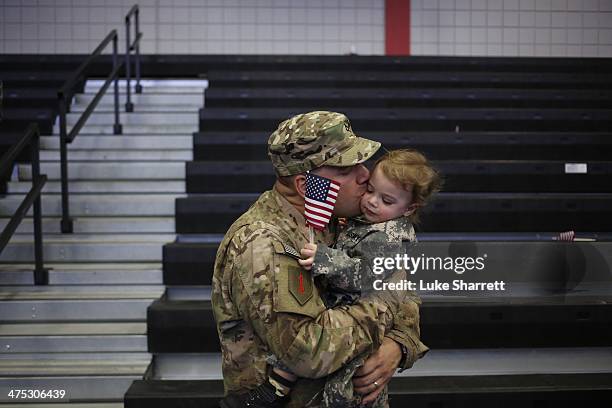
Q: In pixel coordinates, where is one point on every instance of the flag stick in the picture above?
(311, 234)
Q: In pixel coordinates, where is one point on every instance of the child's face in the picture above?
(385, 200)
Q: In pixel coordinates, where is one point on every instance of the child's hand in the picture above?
(308, 253)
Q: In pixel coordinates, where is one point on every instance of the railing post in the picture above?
(41, 275)
(66, 223)
(138, 86)
(117, 128)
(129, 107)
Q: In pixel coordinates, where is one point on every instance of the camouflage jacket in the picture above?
(348, 269)
(265, 303)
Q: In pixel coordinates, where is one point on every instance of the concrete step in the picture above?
(146, 99)
(85, 273)
(93, 205)
(133, 129)
(136, 118)
(105, 170)
(88, 248)
(120, 155)
(126, 141)
(75, 337)
(91, 186)
(101, 225)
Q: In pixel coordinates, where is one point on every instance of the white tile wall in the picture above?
(573, 28)
(196, 26)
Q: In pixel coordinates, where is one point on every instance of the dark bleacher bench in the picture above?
(16, 119)
(35, 79)
(569, 146)
(438, 390)
(29, 97)
(460, 176)
(188, 262)
(547, 267)
(450, 212)
(188, 326)
(556, 295)
(410, 79)
(395, 98)
(435, 119)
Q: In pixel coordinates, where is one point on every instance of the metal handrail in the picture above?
(135, 46)
(64, 93)
(31, 137)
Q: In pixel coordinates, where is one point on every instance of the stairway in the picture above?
(85, 333)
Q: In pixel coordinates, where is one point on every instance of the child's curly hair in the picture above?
(409, 167)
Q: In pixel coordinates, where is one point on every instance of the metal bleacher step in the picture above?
(186, 99)
(89, 248)
(103, 170)
(76, 310)
(74, 292)
(170, 140)
(110, 186)
(101, 225)
(81, 376)
(92, 205)
(154, 86)
(120, 155)
(133, 129)
(85, 273)
(138, 118)
(72, 337)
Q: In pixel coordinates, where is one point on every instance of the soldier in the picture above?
(257, 305)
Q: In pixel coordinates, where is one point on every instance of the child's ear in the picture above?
(411, 209)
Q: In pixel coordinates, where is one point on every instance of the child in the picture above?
(400, 184)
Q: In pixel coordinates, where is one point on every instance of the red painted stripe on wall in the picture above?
(397, 27)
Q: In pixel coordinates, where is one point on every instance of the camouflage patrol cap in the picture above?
(314, 139)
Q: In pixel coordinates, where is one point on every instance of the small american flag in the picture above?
(321, 194)
(566, 236)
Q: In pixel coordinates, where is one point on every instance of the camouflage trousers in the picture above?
(339, 392)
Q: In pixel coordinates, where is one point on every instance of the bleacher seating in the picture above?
(501, 130)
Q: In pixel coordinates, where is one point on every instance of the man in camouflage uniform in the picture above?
(257, 305)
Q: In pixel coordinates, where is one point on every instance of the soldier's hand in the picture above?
(378, 368)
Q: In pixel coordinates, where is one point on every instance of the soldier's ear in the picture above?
(299, 184)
